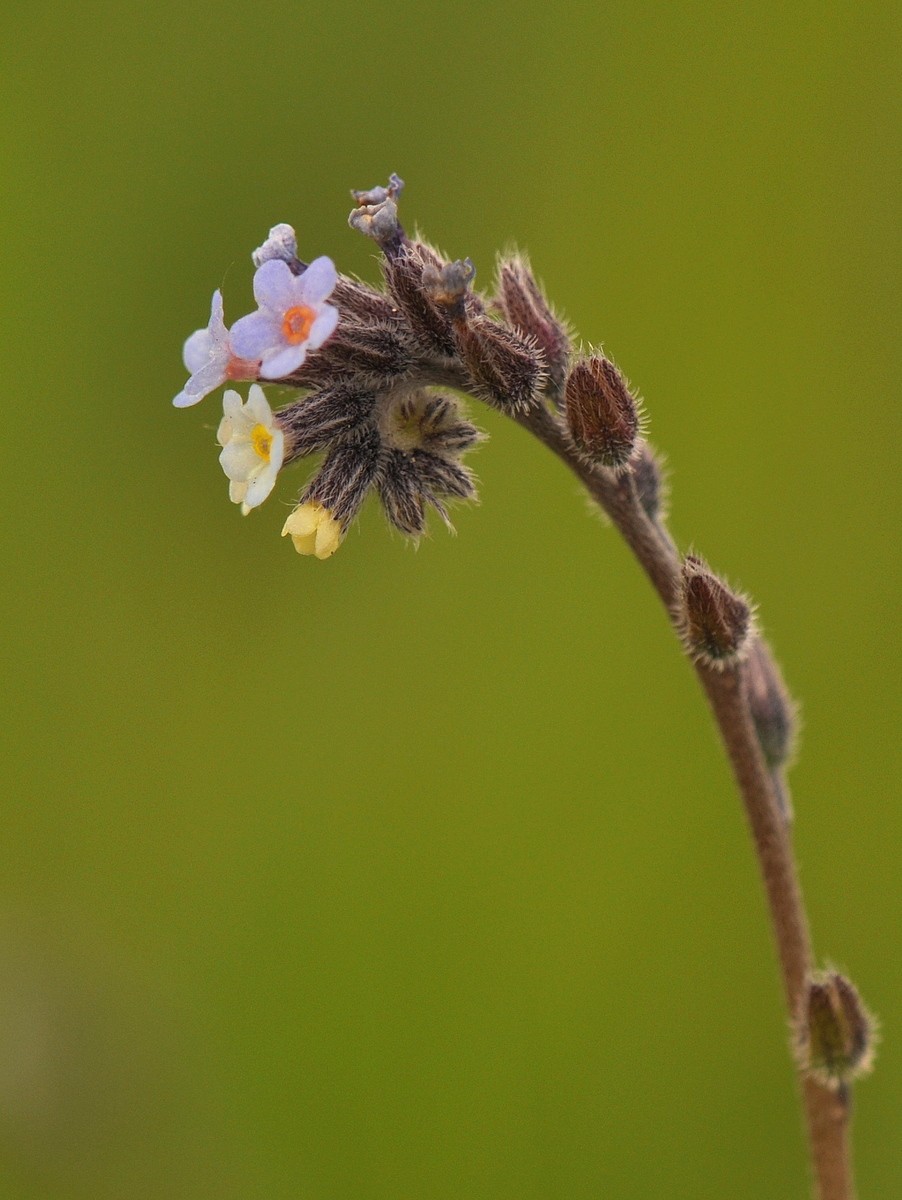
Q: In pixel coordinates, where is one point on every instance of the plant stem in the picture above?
(826, 1110)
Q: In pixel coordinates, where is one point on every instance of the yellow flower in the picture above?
(313, 530)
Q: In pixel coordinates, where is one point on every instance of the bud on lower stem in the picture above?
(836, 1032)
(602, 416)
(772, 709)
(714, 622)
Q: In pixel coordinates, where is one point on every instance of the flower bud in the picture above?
(506, 371)
(282, 243)
(651, 486)
(313, 530)
(836, 1034)
(528, 312)
(602, 416)
(428, 320)
(714, 622)
(771, 707)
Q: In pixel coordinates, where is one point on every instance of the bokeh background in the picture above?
(419, 874)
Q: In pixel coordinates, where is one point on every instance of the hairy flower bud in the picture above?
(427, 320)
(714, 622)
(348, 471)
(602, 416)
(651, 486)
(507, 372)
(527, 311)
(772, 709)
(836, 1033)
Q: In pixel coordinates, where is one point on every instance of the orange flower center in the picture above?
(296, 324)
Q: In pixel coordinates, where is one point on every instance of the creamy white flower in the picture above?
(208, 356)
(292, 318)
(313, 530)
(253, 447)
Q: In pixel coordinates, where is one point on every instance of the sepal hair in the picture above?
(375, 354)
(527, 311)
(411, 480)
(432, 421)
(602, 416)
(328, 416)
(348, 471)
(428, 321)
(714, 622)
(507, 371)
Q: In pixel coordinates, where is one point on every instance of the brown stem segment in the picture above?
(826, 1110)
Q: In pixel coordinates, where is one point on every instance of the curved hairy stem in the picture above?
(826, 1109)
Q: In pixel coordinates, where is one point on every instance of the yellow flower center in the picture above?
(262, 440)
(296, 324)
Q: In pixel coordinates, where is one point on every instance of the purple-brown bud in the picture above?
(526, 310)
(506, 371)
(773, 712)
(426, 318)
(602, 416)
(836, 1032)
(715, 623)
(651, 484)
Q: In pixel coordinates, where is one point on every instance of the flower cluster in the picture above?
(374, 373)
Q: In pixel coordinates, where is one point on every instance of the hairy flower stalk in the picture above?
(377, 374)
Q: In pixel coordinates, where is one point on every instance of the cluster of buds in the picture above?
(371, 370)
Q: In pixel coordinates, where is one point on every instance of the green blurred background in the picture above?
(419, 875)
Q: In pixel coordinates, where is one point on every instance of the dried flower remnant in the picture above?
(253, 447)
(293, 317)
(209, 357)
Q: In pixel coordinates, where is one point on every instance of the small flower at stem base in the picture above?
(209, 357)
(313, 530)
(253, 447)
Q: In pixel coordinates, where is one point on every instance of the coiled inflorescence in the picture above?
(373, 368)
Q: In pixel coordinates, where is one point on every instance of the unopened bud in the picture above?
(714, 622)
(648, 474)
(771, 707)
(376, 215)
(282, 243)
(526, 310)
(506, 371)
(836, 1034)
(313, 530)
(602, 416)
